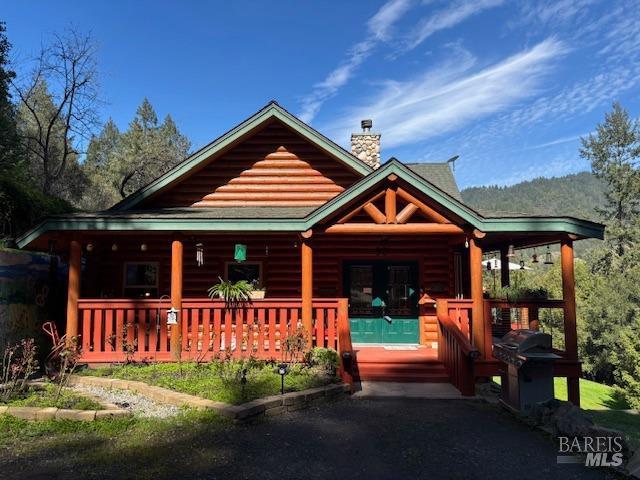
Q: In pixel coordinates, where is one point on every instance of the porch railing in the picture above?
(117, 330)
(455, 349)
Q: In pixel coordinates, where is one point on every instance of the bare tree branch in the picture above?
(67, 70)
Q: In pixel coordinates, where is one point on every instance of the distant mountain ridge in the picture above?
(575, 195)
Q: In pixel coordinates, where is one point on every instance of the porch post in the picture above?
(73, 292)
(505, 281)
(504, 272)
(570, 328)
(475, 268)
(176, 296)
(306, 252)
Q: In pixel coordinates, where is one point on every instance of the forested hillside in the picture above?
(573, 195)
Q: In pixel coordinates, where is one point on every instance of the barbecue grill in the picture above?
(529, 375)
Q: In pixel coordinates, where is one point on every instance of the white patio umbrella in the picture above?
(497, 265)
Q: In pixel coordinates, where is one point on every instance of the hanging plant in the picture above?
(233, 293)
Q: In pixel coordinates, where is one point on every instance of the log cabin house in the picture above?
(381, 262)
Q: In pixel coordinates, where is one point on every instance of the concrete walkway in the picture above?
(432, 391)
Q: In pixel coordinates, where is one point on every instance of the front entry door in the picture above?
(383, 301)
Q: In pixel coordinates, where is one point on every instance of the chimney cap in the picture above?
(366, 125)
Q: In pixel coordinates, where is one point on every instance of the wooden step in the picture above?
(406, 377)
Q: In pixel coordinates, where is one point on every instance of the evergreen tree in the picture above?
(8, 136)
(614, 153)
(118, 164)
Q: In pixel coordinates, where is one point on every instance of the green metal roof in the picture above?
(270, 111)
(440, 175)
(299, 219)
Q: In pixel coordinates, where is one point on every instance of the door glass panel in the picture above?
(400, 291)
(361, 290)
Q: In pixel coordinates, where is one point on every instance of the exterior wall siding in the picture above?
(278, 254)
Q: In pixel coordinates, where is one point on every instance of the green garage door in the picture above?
(383, 301)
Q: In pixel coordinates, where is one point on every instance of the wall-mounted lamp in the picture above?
(143, 247)
(114, 247)
(90, 247)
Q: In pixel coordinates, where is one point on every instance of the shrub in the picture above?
(325, 358)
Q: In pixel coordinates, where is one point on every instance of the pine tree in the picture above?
(614, 153)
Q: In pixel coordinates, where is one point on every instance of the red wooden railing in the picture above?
(117, 330)
(455, 349)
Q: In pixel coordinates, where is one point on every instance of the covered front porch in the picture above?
(393, 261)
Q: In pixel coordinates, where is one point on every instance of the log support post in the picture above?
(570, 327)
(73, 291)
(505, 281)
(176, 296)
(478, 326)
(306, 253)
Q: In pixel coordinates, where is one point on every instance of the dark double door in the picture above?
(383, 301)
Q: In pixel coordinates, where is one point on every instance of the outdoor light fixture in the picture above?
(90, 247)
(548, 260)
(114, 247)
(282, 371)
(199, 254)
(143, 247)
(172, 316)
(466, 242)
(534, 257)
(511, 252)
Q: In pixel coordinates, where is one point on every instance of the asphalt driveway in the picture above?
(353, 438)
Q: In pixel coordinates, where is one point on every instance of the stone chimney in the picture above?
(366, 145)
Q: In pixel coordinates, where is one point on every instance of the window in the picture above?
(140, 279)
(251, 272)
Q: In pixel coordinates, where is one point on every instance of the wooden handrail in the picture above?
(455, 349)
(464, 344)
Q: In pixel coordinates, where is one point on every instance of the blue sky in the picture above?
(508, 86)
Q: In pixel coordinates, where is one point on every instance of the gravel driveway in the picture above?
(351, 439)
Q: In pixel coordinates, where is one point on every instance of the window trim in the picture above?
(260, 270)
(124, 276)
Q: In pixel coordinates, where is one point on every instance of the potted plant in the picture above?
(231, 292)
(257, 292)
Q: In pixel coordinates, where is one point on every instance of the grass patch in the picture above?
(220, 380)
(623, 420)
(146, 445)
(593, 395)
(48, 397)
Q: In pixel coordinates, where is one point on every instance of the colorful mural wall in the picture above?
(32, 289)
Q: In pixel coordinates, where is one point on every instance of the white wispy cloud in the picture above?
(451, 95)
(446, 18)
(378, 27)
(557, 141)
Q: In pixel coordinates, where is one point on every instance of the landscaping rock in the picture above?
(129, 401)
(112, 414)
(26, 413)
(78, 415)
(46, 413)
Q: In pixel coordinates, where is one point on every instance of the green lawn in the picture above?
(604, 405)
(219, 380)
(48, 397)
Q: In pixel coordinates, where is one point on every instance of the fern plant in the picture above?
(233, 293)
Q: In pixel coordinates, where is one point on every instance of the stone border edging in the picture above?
(50, 413)
(268, 406)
